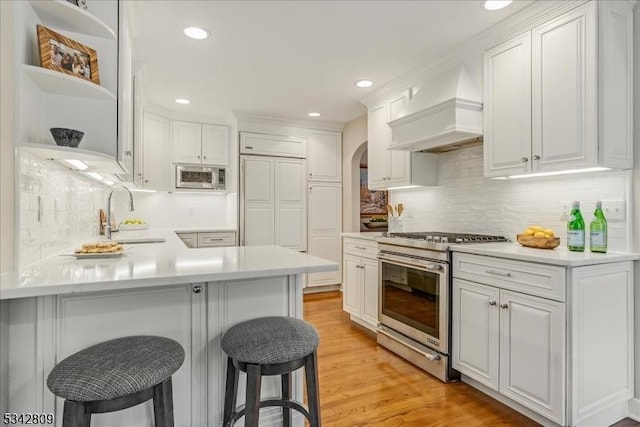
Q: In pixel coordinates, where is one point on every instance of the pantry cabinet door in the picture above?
(532, 353)
(476, 335)
(565, 113)
(258, 201)
(507, 108)
(325, 155)
(290, 204)
(325, 226)
(187, 142)
(215, 145)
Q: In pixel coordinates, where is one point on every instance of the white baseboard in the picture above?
(634, 409)
(323, 288)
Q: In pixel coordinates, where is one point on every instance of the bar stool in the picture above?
(270, 346)
(115, 375)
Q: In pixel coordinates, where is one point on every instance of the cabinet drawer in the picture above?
(216, 239)
(189, 239)
(360, 247)
(541, 280)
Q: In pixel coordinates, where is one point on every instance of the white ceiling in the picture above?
(287, 58)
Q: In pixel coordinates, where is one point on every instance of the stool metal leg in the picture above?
(286, 395)
(163, 404)
(230, 392)
(313, 396)
(75, 414)
(254, 382)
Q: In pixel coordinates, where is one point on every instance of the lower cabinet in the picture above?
(360, 281)
(208, 239)
(538, 334)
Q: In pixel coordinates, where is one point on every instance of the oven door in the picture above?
(414, 298)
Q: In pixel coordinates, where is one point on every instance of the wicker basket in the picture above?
(538, 242)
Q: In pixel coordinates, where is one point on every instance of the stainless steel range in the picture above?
(414, 301)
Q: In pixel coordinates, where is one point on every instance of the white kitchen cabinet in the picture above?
(324, 228)
(273, 202)
(325, 155)
(537, 334)
(126, 150)
(176, 312)
(394, 168)
(565, 96)
(208, 239)
(273, 145)
(198, 143)
(360, 281)
(156, 158)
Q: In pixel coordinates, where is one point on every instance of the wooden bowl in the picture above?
(538, 242)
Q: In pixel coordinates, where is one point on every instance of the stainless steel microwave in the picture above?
(200, 177)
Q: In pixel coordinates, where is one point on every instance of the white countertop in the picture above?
(370, 235)
(558, 256)
(154, 264)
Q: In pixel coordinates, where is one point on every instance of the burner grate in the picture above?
(441, 237)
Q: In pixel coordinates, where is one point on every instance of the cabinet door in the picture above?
(187, 142)
(125, 94)
(156, 158)
(370, 292)
(378, 155)
(173, 312)
(399, 161)
(324, 228)
(258, 201)
(290, 204)
(352, 285)
(507, 108)
(215, 145)
(475, 322)
(532, 353)
(325, 155)
(565, 114)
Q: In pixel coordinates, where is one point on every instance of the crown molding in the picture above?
(522, 21)
(244, 117)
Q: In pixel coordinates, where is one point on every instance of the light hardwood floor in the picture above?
(362, 384)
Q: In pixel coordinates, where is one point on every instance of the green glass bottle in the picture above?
(598, 231)
(575, 229)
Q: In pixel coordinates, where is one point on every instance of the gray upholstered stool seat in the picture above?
(270, 340)
(115, 375)
(270, 346)
(116, 368)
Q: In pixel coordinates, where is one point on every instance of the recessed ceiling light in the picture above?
(314, 114)
(182, 101)
(364, 83)
(496, 4)
(196, 33)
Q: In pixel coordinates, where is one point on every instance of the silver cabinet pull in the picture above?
(499, 273)
(524, 159)
(248, 147)
(492, 302)
(127, 153)
(504, 306)
(197, 157)
(432, 357)
(536, 157)
(197, 289)
(204, 157)
(362, 248)
(146, 181)
(435, 267)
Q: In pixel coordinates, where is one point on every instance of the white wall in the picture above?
(464, 201)
(354, 137)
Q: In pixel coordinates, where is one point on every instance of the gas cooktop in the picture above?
(436, 240)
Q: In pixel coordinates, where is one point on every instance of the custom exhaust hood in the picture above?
(444, 115)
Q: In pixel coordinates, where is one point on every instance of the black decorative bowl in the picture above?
(67, 137)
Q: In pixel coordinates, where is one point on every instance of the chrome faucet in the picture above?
(107, 228)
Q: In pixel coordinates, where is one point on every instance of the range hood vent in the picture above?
(445, 114)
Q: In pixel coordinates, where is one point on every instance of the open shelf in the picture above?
(63, 84)
(96, 162)
(63, 15)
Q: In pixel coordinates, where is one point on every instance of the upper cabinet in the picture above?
(273, 145)
(325, 155)
(393, 168)
(125, 94)
(200, 143)
(559, 97)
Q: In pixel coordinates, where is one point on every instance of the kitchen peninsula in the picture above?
(61, 305)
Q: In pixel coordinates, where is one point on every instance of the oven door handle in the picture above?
(430, 356)
(434, 267)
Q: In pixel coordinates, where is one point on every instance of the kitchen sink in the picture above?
(140, 240)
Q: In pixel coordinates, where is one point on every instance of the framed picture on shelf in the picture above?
(65, 55)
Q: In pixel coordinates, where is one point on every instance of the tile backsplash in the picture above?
(464, 201)
(57, 208)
